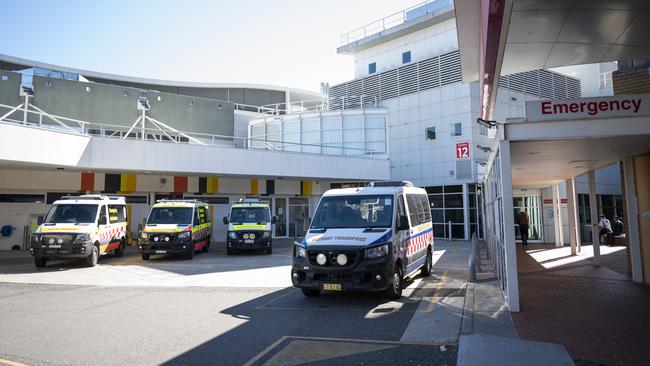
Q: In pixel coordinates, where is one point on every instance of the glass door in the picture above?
(530, 205)
(298, 216)
(280, 212)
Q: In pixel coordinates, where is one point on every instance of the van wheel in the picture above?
(120, 250)
(426, 269)
(40, 262)
(190, 253)
(93, 258)
(269, 250)
(310, 293)
(395, 290)
(145, 257)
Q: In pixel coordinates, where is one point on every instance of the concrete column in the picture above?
(557, 216)
(573, 217)
(632, 220)
(593, 208)
(466, 205)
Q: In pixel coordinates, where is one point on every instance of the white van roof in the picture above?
(373, 191)
(87, 199)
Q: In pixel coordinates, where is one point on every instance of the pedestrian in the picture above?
(604, 227)
(523, 228)
(617, 228)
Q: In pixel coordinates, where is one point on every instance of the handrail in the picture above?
(170, 135)
(380, 25)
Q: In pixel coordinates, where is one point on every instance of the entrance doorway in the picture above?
(530, 205)
(280, 212)
(298, 216)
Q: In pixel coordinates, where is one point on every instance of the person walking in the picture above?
(523, 228)
(604, 227)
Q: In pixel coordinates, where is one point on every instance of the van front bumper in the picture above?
(76, 250)
(368, 275)
(178, 246)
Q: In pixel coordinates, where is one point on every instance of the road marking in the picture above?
(441, 283)
(265, 351)
(10, 363)
(263, 306)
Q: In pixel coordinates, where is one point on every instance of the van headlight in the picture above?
(232, 235)
(34, 238)
(144, 235)
(300, 252)
(184, 235)
(266, 235)
(82, 238)
(378, 251)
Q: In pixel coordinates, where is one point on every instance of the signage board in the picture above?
(462, 150)
(588, 108)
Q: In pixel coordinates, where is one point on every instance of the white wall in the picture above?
(589, 76)
(431, 41)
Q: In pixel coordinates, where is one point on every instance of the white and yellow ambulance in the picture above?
(83, 227)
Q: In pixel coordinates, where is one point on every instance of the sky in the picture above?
(279, 42)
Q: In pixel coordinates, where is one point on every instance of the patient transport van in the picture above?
(176, 227)
(365, 239)
(83, 227)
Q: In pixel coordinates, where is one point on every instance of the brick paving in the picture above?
(600, 316)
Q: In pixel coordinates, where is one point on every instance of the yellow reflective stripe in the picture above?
(248, 226)
(203, 226)
(60, 229)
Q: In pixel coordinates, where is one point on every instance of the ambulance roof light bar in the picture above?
(180, 200)
(100, 197)
(404, 183)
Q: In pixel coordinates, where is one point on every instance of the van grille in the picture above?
(331, 257)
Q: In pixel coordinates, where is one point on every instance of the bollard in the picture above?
(472, 269)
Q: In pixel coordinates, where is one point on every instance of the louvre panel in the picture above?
(545, 84)
(463, 169)
(371, 86)
(559, 86)
(450, 71)
(336, 93)
(516, 82)
(429, 72)
(353, 95)
(503, 82)
(388, 84)
(531, 82)
(408, 79)
(573, 88)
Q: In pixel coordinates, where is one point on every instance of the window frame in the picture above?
(405, 55)
(453, 131)
(372, 68)
(426, 133)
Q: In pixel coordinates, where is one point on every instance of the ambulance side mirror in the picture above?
(225, 220)
(274, 220)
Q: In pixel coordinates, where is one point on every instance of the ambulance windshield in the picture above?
(170, 216)
(354, 212)
(240, 215)
(71, 213)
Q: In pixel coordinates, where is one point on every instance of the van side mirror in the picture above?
(403, 223)
(274, 220)
(225, 220)
(102, 220)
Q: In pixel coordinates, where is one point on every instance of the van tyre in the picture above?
(269, 250)
(40, 262)
(310, 292)
(93, 258)
(145, 257)
(120, 250)
(190, 254)
(426, 269)
(394, 291)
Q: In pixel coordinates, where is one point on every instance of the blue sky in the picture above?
(284, 42)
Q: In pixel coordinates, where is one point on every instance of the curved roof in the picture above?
(139, 80)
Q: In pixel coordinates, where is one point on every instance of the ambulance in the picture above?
(249, 226)
(84, 227)
(176, 227)
(366, 239)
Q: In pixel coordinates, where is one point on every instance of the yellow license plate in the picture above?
(332, 287)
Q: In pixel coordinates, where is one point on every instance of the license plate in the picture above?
(332, 287)
(55, 246)
(249, 241)
(161, 251)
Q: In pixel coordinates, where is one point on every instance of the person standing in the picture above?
(523, 228)
(604, 227)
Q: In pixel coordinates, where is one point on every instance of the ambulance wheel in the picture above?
(269, 250)
(93, 258)
(206, 247)
(120, 250)
(230, 251)
(395, 290)
(310, 293)
(145, 257)
(426, 269)
(190, 253)
(40, 262)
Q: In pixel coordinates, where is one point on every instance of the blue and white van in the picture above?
(365, 239)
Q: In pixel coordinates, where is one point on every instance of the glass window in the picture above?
(102, 216)
(247, 214)
(456, 129)
(71, 213)
(436, 189)
(116, 213)
(372, 68)
(406, 57)
(438, 215)
(170, 215)
(454, 189)
(455, 216)
(430, 133)
(425, 206)
(453, 201)
(354, 212)
(412, 203)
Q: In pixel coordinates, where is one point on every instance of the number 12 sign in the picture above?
(462, 150)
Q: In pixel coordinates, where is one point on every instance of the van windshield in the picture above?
(240, 215)
(170, 215)
(71, 213)
(354, 212)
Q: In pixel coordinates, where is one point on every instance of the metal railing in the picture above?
(164, 134)
(392, 20)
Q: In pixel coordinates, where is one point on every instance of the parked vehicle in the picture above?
(249, 226)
